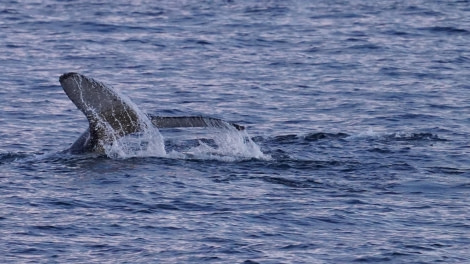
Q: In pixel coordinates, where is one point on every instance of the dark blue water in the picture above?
(361, 110)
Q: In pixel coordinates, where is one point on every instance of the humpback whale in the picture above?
(112, 116)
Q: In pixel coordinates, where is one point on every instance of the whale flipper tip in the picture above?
(65, 76)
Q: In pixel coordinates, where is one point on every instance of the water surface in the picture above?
(359, 108)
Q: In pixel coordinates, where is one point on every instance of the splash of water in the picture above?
(127, 132)
(148, 142)
(227, 144)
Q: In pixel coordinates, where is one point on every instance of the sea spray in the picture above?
(123, 131)
(148, 142)
(227, 144)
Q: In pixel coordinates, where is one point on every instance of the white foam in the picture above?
(148, 143)
(230, 145)
(227, 145)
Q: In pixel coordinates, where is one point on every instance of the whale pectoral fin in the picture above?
(191, 121)
(101, 104)
(110, 115)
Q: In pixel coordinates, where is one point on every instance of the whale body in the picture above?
(112, 116)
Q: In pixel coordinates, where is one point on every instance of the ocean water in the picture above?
(357, 147)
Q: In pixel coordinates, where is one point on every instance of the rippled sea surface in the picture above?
(361, 110)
